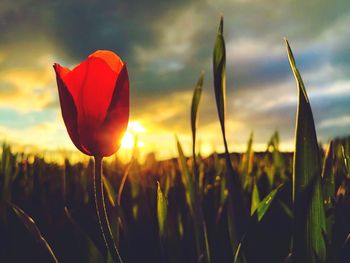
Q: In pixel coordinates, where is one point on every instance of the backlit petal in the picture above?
(116, 121)
(68, 109)
(112, 59)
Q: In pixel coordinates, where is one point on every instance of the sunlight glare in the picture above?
(134, 129)
(128, 141)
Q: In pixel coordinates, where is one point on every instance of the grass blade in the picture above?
(219, 67)
(7, 172)
(90, 249)
(237, 213)
(247, 164)
(111, 194)
(309, 215)
(265, 204)
(346, 161)
(255, 197)
(194, 120)
(193, 201)
(277, 172)
(286, 209)
(328, 186)
(30, 225)
(256, 217)
(161, 210)
(186, 177)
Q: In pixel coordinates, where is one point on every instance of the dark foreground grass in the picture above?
(60, 200)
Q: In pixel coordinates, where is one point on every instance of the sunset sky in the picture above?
(166, 45)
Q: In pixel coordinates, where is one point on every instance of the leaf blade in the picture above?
(161, 210)
(197, 92)
(219, 68)
(328, 187)
(32, 228)
(309, 215)
(237, 212)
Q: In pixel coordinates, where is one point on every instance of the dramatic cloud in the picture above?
(166, 45)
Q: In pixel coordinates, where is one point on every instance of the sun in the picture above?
(134, 129)
(128, 141)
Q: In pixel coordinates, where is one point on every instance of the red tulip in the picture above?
(94, 99)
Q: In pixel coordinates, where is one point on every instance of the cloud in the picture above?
(173, 48)
(336, 122)
(50, 134)
(166, 44)
(27, 88)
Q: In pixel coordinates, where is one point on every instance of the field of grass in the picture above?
(254, 207)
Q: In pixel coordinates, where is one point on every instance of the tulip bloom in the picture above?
(94, 99)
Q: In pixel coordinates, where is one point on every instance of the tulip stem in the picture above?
(102, 213)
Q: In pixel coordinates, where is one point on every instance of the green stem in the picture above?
(195, 166)
(102, 213)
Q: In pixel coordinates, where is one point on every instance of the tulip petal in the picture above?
(68, 108)
(116, 121)
(99, 91)
(93, 97)
(112, 59)
(61, 71)
(91, 84)
(74, 80)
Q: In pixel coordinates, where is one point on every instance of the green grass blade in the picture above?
(115, 198)
(180, 226)
(201, 231)
(122, 184)
(309, 215)
(328, 185)
(111, 194)
(186, 177)
(237, 213)
(194, 120)
(346, 161)
(219, 67)
(239, 256)
(195, 104)
(89, 247)
(286, 209)
(255, 198)
(247, 164)
(265, 204)
(276, 172)
(193, 201)
(161, 210)
(257, 216)
(8, 162)
(274, 142)
(112, 198)
(30, 225)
